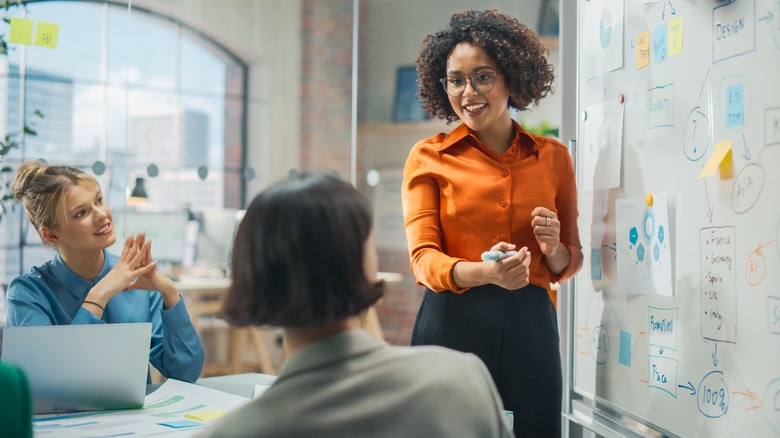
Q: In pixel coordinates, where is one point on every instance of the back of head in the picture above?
(43, 188)
(298, 255)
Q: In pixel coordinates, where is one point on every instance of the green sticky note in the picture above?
(21, 31)
(46, 34)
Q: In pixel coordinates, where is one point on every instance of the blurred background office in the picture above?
(185, 109)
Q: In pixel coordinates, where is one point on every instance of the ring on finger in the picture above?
(547, 224)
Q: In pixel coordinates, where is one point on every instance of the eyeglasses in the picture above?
(482, 82)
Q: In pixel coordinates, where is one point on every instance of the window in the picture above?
(125, 94)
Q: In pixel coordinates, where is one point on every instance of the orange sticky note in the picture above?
(206, 415)
(675, 36)
(720, 160)
(46, 34)
(643, 49)
(21, 31)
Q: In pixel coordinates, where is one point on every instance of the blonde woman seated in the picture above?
(84, 283)
(304, 259)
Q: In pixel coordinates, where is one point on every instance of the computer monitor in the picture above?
(167, 230)
(215, 237)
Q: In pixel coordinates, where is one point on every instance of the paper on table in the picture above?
(259, 390)
(168, 405)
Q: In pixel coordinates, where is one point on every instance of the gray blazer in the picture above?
(353, 385)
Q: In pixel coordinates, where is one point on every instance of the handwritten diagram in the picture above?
(718, 284)
(696, 275)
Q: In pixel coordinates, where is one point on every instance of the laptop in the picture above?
(82, 367)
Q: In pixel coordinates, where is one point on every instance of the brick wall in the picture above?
(398, 308)
(326, 86)
(326, 93)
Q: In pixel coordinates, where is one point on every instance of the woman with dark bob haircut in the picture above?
(490, 187)
(304, 259)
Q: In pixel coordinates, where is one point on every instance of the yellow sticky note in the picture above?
(643, 49)
(21, 31)
(46, 34)
(206, 415)
(720, 160)
(676, 36)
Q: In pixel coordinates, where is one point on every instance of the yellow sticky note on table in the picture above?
(675, 36)
(206, 415)
(643, 49)
(46, 34)
(720, 160)
(21, 31)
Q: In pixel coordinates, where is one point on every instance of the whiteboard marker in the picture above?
(497, 255)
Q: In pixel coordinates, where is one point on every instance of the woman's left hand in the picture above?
(154, 280)
(547, 230)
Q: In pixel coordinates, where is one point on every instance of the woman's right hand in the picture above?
(511, 273)
(127, 269)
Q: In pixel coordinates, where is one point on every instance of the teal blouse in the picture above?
(52, 294)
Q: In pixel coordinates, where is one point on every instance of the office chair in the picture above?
(15, 403)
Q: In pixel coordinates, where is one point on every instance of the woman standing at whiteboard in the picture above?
(84, 283)
(490, 185)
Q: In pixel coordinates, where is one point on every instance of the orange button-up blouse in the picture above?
(460, 197)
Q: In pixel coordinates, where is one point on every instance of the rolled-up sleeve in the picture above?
(420, 197)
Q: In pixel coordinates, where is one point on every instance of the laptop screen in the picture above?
(82, 367)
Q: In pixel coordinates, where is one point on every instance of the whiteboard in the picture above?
(677, 306)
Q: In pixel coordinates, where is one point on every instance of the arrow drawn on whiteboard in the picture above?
(746, 154)
(701, 90)
(639, 338)
(663, 12)
(753, 397)
(614, 313)
(689, 387)
(715, 356)
(707, 195)
(767, 17)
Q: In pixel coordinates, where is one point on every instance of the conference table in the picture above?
(172, 408)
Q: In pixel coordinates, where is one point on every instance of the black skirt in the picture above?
(516, 334)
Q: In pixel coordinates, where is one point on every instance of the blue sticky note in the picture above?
(660, 45)
(735, 106)
(625, 348)
(181, 423)
(595, 263)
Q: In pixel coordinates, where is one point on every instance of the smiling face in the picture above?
(87, 222)
(487, 114)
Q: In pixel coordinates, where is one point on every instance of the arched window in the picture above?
(126, 94)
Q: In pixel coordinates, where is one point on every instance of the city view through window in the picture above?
(124, 95)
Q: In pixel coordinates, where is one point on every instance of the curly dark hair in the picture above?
(517, 50)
